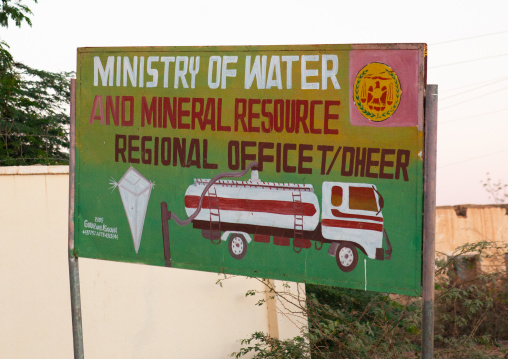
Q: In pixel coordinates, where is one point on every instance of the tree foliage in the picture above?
(34, 118)
(15, 11)
(497, 190)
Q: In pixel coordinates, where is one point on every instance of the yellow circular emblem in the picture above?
(377, 91)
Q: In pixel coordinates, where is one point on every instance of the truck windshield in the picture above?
(362, 198)
(336, 196)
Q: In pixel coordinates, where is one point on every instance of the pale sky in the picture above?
(467, 55)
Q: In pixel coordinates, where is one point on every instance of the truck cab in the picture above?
(352, 219)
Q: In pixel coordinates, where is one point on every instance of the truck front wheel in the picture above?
(237, 246)
(346, 256)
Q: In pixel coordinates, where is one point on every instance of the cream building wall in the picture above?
(128, 310)
(458, 225)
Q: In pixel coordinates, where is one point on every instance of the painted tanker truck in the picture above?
(350, 218)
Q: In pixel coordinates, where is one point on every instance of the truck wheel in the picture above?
(237, 246)
(346, 256)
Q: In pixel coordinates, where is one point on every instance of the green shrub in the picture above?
(471, 317)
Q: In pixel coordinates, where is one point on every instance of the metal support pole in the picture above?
(77, 328)
(429, 221)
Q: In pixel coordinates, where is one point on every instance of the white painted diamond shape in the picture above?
(135, 192)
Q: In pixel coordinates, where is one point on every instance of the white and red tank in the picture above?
(254, 202)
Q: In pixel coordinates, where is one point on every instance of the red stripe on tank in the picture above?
(253, 205)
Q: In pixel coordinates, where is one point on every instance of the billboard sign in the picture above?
(302, 163)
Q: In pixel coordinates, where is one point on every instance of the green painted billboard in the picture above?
(301, 163)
